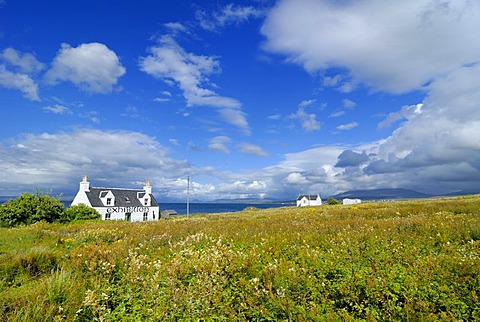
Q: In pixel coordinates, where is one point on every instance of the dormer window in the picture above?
(107, 198)
(144, 198)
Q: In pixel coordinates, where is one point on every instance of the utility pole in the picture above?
(188, 195)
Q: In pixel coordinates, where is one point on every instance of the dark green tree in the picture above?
(30, 208)
(333, 201)
(81, 212)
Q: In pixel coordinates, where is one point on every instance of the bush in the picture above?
(333, 201)
(29, 208)
(81, 212)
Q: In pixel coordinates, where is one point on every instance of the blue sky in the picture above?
(250, 99)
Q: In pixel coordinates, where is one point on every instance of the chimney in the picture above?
(84, 184)
(148, 187)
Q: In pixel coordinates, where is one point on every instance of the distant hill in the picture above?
(376, 194)
(462, 193)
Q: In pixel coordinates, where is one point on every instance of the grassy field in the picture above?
(409, 260)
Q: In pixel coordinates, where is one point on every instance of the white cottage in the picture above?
(309, 200)
(119, 204)
(348, 201)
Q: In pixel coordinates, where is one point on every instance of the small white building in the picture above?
(119, 204)
(309, 200)
(348, 201)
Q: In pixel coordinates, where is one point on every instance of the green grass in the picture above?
(409, 260)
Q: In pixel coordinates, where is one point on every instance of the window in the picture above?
(107, 216)
(109, 201)
(145, 216)
(146, 202)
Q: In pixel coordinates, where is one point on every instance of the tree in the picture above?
(30, 208)
(81, 212)
(333, 201)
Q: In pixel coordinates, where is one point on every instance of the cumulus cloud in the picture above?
(93, 67)
(113, 158)
(309, 121)
(242, 189)
(25, 61)
(169, 61)
(296, 178)
(406, 112)
(22, 82)
(17, 70)
(349, 158)
(424, 40)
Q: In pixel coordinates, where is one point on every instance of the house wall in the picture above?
(81, 197)
(347, 201)
(136, 213)
(305, 202)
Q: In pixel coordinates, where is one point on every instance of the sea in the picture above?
(208, 208)
(200, 207)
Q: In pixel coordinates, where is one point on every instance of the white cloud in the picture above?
(307, 103)
(175, 27)
(169, 61)
(296, 178)
(348, 126)
(405, 113)
(444, 130)
(17, 71)
(309, 121)
(229, 14)
(25, 61)
(113, 158)
(19, 81)
(337, 114)
(244, 189)
(219, 144)
(391, 46)
(93, 67)
(275, 117)
(254, 149)
(348, 103)
(57, 109)
(161, 99)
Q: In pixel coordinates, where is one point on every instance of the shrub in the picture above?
(81, 212)
(333, 201)
(29, 208)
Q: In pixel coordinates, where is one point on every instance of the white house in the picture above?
(309, 200)
(347, 201)
(119, 204)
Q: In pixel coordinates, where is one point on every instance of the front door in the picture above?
(128, 216)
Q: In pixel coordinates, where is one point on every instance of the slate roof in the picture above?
(123, 197)
(309, 197)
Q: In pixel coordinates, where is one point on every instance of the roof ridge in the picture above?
(108, 188)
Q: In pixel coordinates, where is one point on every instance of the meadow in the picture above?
(381, 261)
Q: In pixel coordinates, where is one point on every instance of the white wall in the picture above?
(81, 197)
(135, 215)
(347, 201)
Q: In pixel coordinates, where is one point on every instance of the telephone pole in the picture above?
(188, 196)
